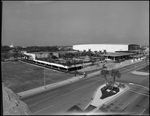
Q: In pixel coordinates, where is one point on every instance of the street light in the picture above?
(44, 77)
(83, 66)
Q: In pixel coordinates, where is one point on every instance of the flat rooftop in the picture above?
(115, 54)
(53, 52)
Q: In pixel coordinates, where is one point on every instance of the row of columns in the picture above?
(121, 57)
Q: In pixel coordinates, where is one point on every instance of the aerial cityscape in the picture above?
(75, 58)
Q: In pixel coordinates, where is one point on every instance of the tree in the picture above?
(115, 74)
(84, 53)
(104, 67)
(49, 57)
(68, 63)
(21, 55)
(5, 49)
(89, 53)
(146, 60)
(105, 73)
(74, 63)
(78, 53)
(96, 53)
(41, 55)
(15, 54)
(5, 56)
(100, 52)
(26, 56)
(105, 52)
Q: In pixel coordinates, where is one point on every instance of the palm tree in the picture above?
(104, 67)
(92, 61)
(89, 53)
(146, 60)
(74, 63)
(105, 52)
(78, 53)
(105, 73)
(68, 63)
(49, 57)
(85, 53)
(41, 54)
(115, 74)
(95, 53)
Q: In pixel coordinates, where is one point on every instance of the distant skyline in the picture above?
(61, 23)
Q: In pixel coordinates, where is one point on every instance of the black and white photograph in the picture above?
(75, 57)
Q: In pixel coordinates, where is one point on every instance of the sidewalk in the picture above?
(97, 102)
(48, 87)
(34, 91)
(110, 66)
(140, 73)
(54, 85)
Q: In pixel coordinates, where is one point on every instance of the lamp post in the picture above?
(83, 66)
(83, 69)
(44, 77)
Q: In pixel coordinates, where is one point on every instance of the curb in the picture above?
(92, 97)
(58, 84)
(38, 90)
(117, 95)
(140, 73)
(109, 100)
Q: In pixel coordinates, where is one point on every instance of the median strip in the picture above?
(57, 84)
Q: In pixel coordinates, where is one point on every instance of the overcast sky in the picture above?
(75, 22)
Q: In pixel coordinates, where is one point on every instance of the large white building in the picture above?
(12, 45)
(101, 47)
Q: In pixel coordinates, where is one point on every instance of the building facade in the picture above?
(107, 47)
(102, 47)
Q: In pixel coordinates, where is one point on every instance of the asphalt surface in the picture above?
(134, 101)
(61, 99)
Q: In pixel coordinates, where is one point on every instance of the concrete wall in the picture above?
(97, 47)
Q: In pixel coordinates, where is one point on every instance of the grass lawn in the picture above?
(20, 76)
(143, 69)
(133, 78)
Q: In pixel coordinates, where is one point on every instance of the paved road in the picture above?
(60, 99)
(134, 101)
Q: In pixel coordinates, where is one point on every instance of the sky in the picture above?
(61, 23)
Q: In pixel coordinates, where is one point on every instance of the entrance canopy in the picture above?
(117, 56)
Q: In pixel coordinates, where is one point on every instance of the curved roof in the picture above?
(101, 44)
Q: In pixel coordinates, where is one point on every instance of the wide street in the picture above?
(61, 99)
(134, 101)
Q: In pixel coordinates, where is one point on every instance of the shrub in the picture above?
(146, 68)
(106, 94)
(121, 85)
